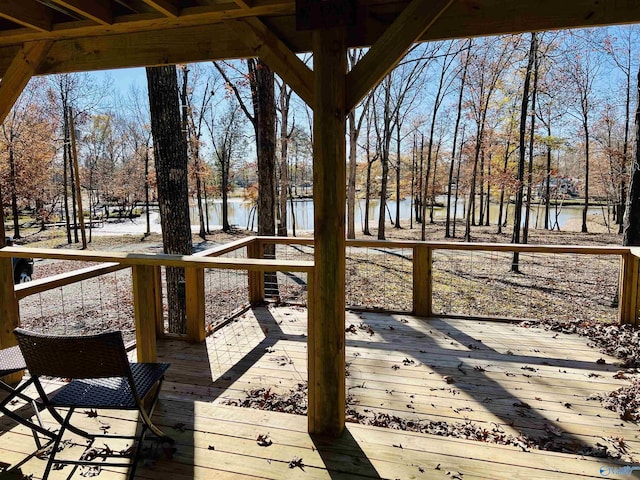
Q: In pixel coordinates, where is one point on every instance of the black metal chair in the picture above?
(11, 361)
(101, 378)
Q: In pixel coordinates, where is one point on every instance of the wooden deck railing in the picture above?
(424, 260)
(146, 285)
(146, 276)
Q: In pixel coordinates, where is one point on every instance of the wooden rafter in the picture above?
(168, 8)
(212, 15)
(98, 11)
(28, 13)
(385, 53)
(244, 3)
(21, 69)
(266, 45)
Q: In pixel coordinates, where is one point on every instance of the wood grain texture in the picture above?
(144, 306)
(266, 45)
(326, 337)
(389, 49)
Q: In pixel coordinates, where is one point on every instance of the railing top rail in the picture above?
(286, 240)
(435, 245)
(160, 259)
(226, 248)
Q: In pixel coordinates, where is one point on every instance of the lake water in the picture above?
(240, 210)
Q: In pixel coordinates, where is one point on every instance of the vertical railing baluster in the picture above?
(145, 311)
(255, 278)
(194, 287)
(422, 281)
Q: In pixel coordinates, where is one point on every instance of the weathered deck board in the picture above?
(398, 370)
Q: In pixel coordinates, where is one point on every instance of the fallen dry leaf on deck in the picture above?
(296, 462)
(264, 440)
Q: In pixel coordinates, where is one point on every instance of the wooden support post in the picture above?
(145, 306)
(326, 342)
(255, 278)
(422, 280)
(628, 289)
(194, 287)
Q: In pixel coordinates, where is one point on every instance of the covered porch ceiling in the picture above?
(103, 34)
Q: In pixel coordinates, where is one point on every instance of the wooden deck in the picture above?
(502, 378)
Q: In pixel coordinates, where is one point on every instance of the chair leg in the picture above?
(136, 455)
(58, 418)
(56, 444)
(17, 392)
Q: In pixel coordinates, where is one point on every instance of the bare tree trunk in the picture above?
(517, 217)
(146, 192)
(470, 218)
(398, 125)
(425, 193)
(503, 186)
(170, 153)
(433, 184)
(455, 203)
(365, 227)
(420, 200)
(547, 187)
(285, 96)
(65, 177)
(383, 196)
(488, 202)
(14, 194)
(525, 232)
(206, 205)
(447, 233)
(264, 107)
(632, 212)
(263, 98)
(585, 126)
(224, 187)
(481, 212)
(351, 179)
(414, 166)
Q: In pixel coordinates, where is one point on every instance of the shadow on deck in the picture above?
(526, 387)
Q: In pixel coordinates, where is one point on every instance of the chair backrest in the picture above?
(84, 356)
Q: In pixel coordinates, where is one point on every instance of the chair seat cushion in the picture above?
(111, 392)
(11, 361)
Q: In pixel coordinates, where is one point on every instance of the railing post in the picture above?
(145, 311)
(628, 290)
(255, 278)
(9, 311)
(194, 287)
(422, 281)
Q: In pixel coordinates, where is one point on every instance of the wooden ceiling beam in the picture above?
(244, 3)
(169, 8)
(28, 13)
(23, 66)
(266, 45)
(463, 17)
(389, 49)
(185, 45)
(134, 23)
(98, 11)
